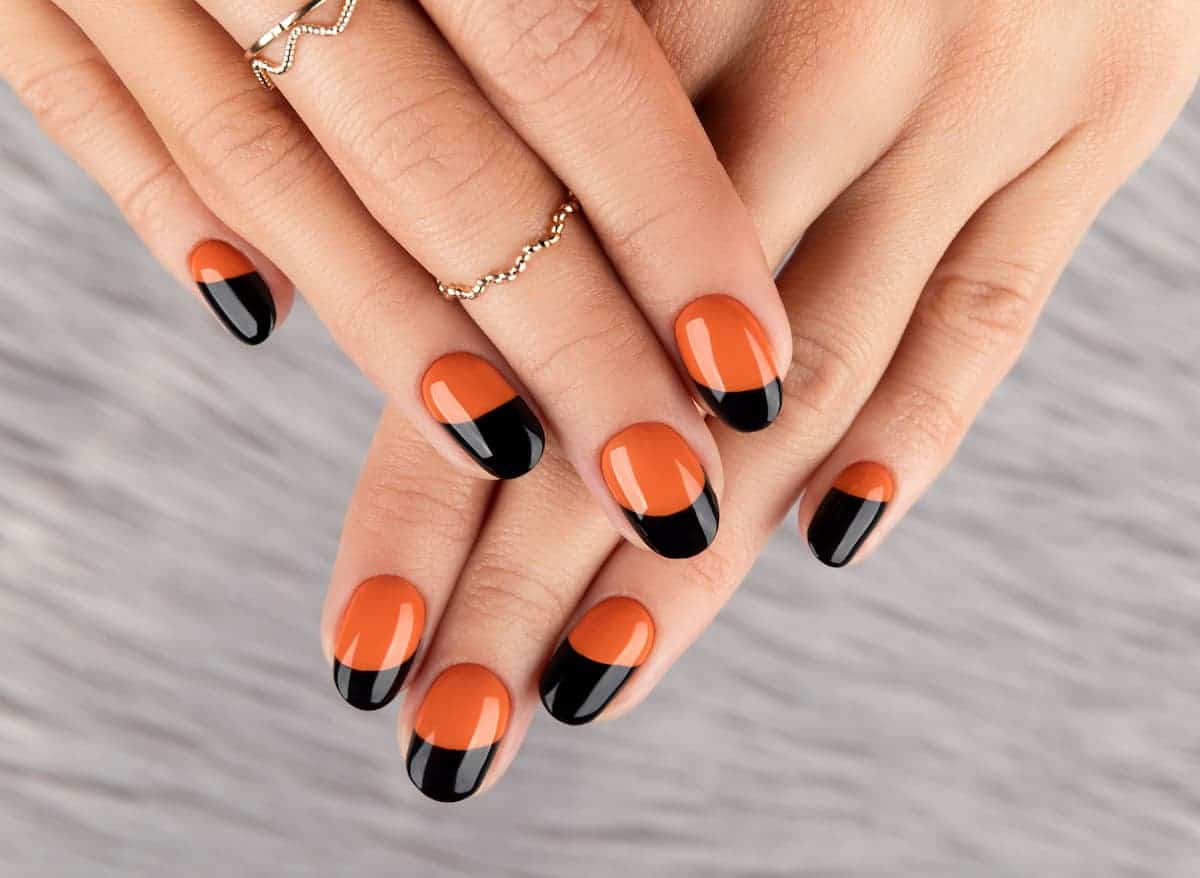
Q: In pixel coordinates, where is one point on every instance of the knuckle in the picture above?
(827, 371)
(246, 150)
(926, 420)
(716, 573)
(535, 49)
(404, 491)
(71, 101)
(983, 314)
(432, 144)
(602, 347)
(510, 596)
(146, 202)
(369, 323)
(1151, 68)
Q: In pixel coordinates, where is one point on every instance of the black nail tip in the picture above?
(446, 775)
(369, 690)
(575, 689)
(682, 534)
(840, 526)
(507, 442)
(244, 305)
(746, 411)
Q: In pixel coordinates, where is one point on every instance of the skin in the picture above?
(402, 159)
(941, 161)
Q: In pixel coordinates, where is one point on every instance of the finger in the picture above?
(253, 162)
(590, 90)
(794, 138)
(475, 692)
(434, 172)
(81, 104)
(970, 324)
(408, 530)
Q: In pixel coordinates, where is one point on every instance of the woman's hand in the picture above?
(383, 134)
(944, 160)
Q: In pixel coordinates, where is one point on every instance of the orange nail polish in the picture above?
(662, 489)
(597, 658)
(377, 637)
(730, 361)
(456, 732)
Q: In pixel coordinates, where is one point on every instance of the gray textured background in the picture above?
(1011, 689)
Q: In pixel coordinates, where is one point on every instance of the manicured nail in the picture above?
(662, 489)
(456, 732)
(234, 290)
(731, 362)
(376, 641)
(483, 412)
(849, 512)
(598, 657)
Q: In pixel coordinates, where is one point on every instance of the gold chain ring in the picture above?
(558, 222)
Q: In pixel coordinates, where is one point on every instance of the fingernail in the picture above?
(731, 362)
(662, 489)
(598, 657)
(484, 414)
(234, 290)
(456, 732)
(849, 512)
(377, 638)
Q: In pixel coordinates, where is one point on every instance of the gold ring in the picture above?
(553, 234)
(291, 25)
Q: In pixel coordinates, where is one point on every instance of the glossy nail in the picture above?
(849, 512)
(234, 290)
(483, 412)
(598, 657)
(456, 732)
(377, 638)
(662, 489)
(731, 362)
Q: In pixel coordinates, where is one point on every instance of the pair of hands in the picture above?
(940, 160)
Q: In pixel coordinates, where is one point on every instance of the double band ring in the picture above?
(291, 24)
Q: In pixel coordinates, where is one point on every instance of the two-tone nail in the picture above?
(730, 361)
(377, 637)
(849, 512)
(661, 487)
(596, 660)
(234, 290)
(485, 415)
(456, 732)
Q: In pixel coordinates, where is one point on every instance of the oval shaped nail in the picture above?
(456, 732)
(485, 415)
(234, 290)
(849, 512)
(377, 637)
(731, 362)
(662, 489)
(596, 660)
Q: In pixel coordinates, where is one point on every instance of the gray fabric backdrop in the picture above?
(1010, 689)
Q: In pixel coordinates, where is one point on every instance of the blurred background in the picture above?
(1011, 687)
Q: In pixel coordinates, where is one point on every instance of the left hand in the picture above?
(942, 160)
